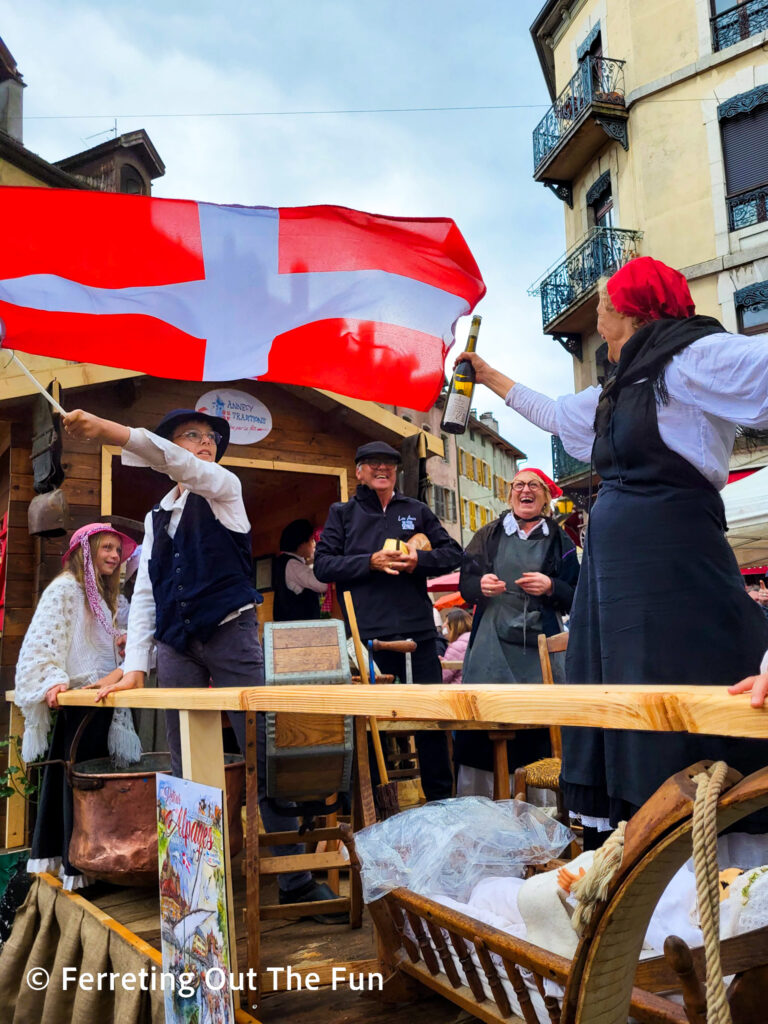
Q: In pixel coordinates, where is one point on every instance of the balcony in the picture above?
(739, 22)
(567, 292)
(748, 208)
(565, 467)
(575, 127)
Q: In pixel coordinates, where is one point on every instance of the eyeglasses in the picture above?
(197, 436)
(381, 464)
(533, 485)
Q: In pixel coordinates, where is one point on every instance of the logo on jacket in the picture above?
(407, 522)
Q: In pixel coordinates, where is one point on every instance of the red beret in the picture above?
(554, 490)
(650, 290)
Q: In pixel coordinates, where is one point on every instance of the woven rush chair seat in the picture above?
(543, 774)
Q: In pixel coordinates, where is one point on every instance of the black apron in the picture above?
(660, 600)
(496, 658)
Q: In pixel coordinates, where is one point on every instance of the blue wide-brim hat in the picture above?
(168, 424)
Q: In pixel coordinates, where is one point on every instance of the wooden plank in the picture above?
(276, 982)
(202, 758)
(15, 805)
(302, 862)
(702, 709)
(308, 730)
(308, 636)
(295, 910)
(291, 660)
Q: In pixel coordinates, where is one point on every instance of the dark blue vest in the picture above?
(199, 576)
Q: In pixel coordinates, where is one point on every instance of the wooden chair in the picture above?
(310, 758)
(542, 774)
(480, 968)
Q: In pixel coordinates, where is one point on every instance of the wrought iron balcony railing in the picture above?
(598, 80)
(748, 208)
(563, 464)
(739, 22)
(601, 253)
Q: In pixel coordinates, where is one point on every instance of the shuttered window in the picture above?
(745, 150)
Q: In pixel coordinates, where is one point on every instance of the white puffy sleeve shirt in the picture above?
(714, 384)
(220, 488)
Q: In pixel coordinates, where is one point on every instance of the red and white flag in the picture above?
(324, 296)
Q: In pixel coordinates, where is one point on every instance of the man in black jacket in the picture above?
(389, 588)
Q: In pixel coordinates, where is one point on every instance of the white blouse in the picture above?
(717, 382)
(66, 645)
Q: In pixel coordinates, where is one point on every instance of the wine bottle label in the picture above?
(457, 408)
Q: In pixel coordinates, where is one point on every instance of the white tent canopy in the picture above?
(746, 509)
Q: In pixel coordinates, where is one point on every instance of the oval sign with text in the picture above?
(249, 419)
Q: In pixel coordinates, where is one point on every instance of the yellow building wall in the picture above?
(10, 175)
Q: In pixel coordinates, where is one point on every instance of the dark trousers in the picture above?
(231, 657)
(432, 745)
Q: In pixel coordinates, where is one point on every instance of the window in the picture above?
(487, 475)
(734, 20)
(462, 462)
(472, 516)
(446, 449)
(744, 129)
(444, 504)
(752, 308)
(464, 512)
(450, 506)
(600, 202)
(131, 181)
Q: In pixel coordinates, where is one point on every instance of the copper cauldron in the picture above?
(114, 831)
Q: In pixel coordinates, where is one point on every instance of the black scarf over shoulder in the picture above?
(646, 355)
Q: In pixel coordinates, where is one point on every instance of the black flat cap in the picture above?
(376, 450)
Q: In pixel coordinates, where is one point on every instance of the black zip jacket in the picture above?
(560, 564)
(384, 605)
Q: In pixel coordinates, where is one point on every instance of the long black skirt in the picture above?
(660, 600)
(53, 826)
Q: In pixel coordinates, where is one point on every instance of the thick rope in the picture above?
(593, 886)
(709, 785)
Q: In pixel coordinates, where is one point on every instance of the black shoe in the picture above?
(311, 893)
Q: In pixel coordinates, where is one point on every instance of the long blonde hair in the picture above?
(108, 586)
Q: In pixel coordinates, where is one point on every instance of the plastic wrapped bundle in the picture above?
(447, 847)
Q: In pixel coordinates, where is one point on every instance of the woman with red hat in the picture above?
(520, 571)
(660, 599)
(73, 642)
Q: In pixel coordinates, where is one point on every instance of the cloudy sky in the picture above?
(165, 64)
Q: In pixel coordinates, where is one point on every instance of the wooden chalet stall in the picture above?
(297, 470)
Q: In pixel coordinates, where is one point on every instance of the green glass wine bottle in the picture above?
(458, 401)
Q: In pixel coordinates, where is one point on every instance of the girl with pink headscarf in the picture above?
(72, 642)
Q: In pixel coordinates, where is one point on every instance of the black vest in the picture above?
(199, 576)
(290, 607)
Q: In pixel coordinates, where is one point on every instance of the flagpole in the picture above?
(38, 385)
(48, 397)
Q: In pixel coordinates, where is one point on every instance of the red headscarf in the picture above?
(650, 290)
(554, 490)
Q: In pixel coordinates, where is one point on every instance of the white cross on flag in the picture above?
(359, 304)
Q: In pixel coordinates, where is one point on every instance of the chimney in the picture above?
(11, 103)
(490, 421)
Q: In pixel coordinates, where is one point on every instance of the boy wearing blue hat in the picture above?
(194, 599)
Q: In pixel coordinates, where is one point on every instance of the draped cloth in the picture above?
(53, 930)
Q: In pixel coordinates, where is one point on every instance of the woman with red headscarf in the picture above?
(520, 572)
(660, 598)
